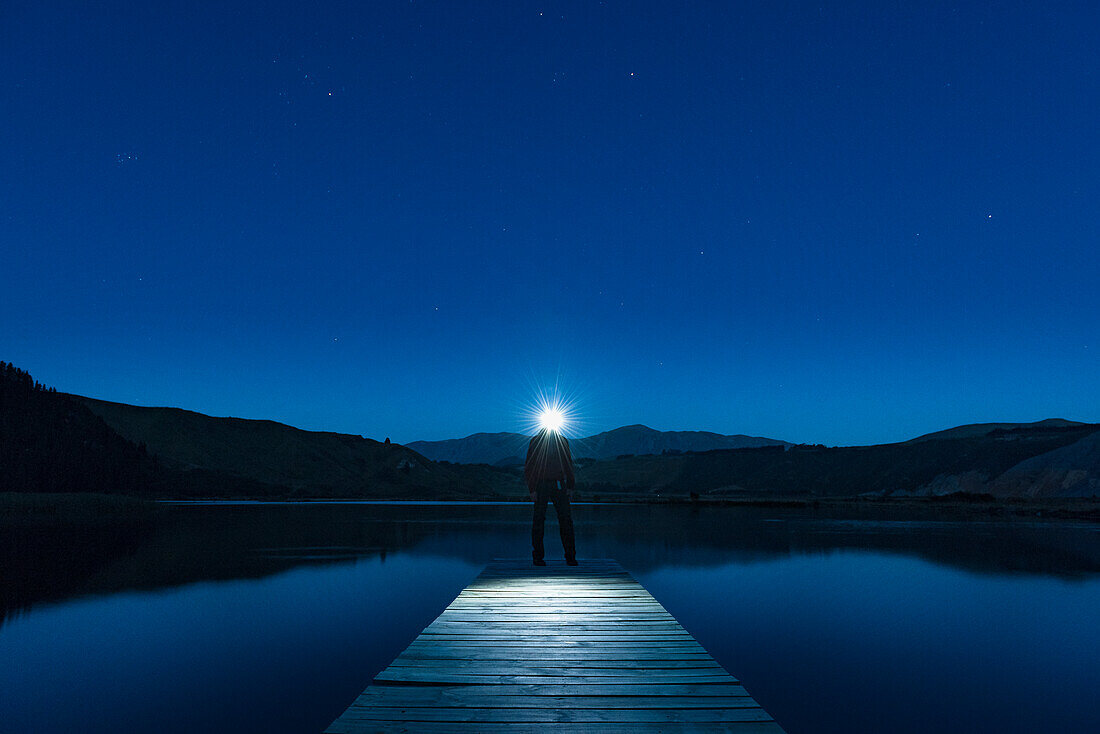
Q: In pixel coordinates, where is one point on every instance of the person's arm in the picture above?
(529, 469)
(570, 479)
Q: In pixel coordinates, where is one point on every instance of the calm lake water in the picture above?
(274, 617)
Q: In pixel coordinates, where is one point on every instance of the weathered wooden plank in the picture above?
(542, 594)
(551, 589)
(540, 638)
(638, 690)
(572, 578)
(609, 703)
(566, 644)
(595, 727)
(547, 586)
(493, 602)
(505, 647)
(565, 577)
(536, 619)
(476, 697)
(534, 715)
(544, 675)
(525, 591)
(412, 676)
(557, 626)
(587, 596)
(550, 653)
(526, 610)
(535, 613)
(565, 605)
(534, 654)
(556, 623)
(559, 630)
(550, 667)
(560, 575)
(522, 646)
(551, 580)
(518, 625)
(582, 648)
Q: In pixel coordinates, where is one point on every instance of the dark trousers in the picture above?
(547, 492)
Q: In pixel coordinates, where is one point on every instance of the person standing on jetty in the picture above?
(549, 474)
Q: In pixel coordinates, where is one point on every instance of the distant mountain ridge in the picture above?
(55, 442)
(509, 448)
(477, 448)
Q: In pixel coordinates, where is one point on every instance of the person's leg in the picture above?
(565, 523)
(538, 524)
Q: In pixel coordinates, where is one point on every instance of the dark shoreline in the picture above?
(44, 509)
(64, 509)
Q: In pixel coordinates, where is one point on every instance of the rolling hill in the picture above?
(54, 442)
(974, 430)
(479, 448)
(1069, 471)
(1045, 459)
(510, 448)
(277, 459)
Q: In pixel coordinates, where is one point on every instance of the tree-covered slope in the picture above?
(493, 448)
(306, 463)
(50, 442)
(939, 466)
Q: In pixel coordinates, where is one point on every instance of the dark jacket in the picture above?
(548, 460)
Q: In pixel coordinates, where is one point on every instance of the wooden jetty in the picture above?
(564, 648)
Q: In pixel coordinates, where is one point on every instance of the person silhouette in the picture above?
(548, 471)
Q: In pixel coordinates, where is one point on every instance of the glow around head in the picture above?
(552, 419)
(551, 411)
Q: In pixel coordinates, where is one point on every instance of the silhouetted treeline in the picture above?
(817, 470)
(51, 443)
(1032, 430)
(773, 449)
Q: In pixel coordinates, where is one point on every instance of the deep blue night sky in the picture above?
(837, 223)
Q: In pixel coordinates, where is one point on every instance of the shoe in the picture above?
(539, 563)
(571, 561)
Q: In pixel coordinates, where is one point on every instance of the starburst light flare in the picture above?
(549, 411)
(551, 419)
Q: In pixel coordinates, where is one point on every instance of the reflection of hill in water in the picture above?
(210, 543)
